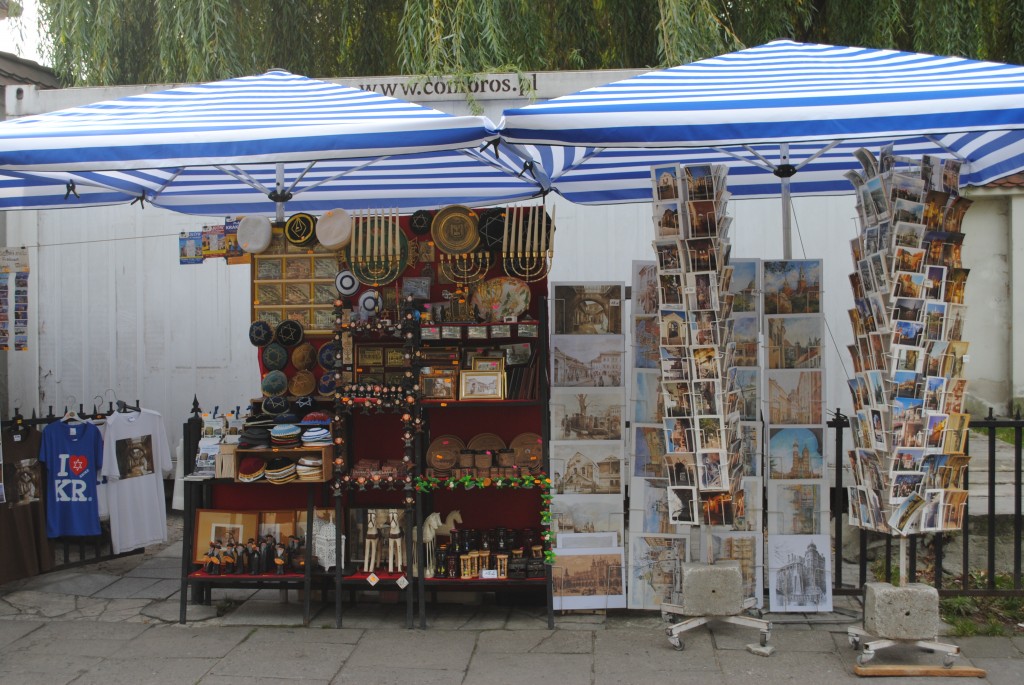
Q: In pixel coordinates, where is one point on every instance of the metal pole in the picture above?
(280, 189)
(787, 205)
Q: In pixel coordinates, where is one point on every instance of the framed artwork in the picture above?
(370, 356)
(591, 360)
(430, 333)
(587, 308)
(488, 364)
(476, 332)
(394, 356)
(439, 385)
(416, 286)
(592, 578)
(451, 332)
(481, 385)
(215, 524)
(527, 330)
(502, 331)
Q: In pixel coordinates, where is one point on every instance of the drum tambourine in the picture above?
(346, 283)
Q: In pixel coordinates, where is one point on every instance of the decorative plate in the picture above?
(346, 283)
(529, 451)
(454, 230)
(443, 452)
(498, 298)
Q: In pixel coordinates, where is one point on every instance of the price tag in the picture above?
(372, 579)
(489, 575)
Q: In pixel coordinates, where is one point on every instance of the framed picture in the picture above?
(527, 330)
(451, 332)
(517, 354)
(430, 333)
(481, 385)
(371, 356)
(488, 364)
(476, 332)
(416, 286)
(439, 385)
(501, 331)
(214, 524)
(394, 356)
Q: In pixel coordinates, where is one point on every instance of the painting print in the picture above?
(645, 342)
(589, 579)
(799, 573)
(134, 456)
(794, 342)
(587, 514)
(645, 288)
(745, 285)
(586, 468)
(588, 308)
(587, 361)
(792, 286)
(796, 508)
(795, 453)
(648, 400)
(648, 451)
(745, 548)
(794, 397)
(586, 414)
(656, 565)
(682, 505)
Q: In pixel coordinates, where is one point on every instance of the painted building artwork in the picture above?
(799, 573)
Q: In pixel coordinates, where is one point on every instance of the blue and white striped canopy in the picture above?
(222, 148)
(824, 101)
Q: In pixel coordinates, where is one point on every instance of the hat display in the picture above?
(254, 234)
(334, 229)
(274, 357)
(345, 283)
(260, 333)
(280, 471)
(326, 355)
(302, 383)
(275, 406)
(326, 384)
(492, 228)
(304, 356)
(285, 435)
(303, 404)
(419, 222)
(274, 383)
(316, 436)
(287, 417)
(289, 333)
(316, 418)
(251, 469)
(300, 229)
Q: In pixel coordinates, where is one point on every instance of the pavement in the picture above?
(116, 622)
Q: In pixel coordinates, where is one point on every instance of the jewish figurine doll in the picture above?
(279, 560)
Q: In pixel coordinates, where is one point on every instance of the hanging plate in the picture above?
(454, 230)
(529, 452)
(443, 452)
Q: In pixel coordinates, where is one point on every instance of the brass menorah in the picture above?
(466, 268)
(526, 250)
(376, 250)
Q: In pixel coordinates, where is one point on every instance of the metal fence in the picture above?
(985, 524)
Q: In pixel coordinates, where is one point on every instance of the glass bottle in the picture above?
(442, 561)
(453, 561)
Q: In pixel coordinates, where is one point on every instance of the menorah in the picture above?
(376, 251)
(526, 250)
(466, 268)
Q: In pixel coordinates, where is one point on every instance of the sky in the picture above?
(21, 36)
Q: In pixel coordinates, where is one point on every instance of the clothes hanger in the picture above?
(70, 415)
(123, 407)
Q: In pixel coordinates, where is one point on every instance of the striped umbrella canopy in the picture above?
(256, 145)
(778, 109)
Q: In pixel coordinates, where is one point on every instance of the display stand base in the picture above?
(861, 639)
(762, 648)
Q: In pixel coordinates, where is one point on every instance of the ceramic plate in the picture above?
(443, 452)
(454, 230)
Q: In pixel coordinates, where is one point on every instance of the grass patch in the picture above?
(1004, 434)
(963, 626)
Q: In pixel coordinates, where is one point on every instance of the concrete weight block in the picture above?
(901, 613)
(712, 590)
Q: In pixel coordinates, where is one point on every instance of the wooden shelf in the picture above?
(324, 452)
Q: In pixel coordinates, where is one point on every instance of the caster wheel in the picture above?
(864, 657)
(854, 641)
(765, 636)
(677, 644)
(947, 661)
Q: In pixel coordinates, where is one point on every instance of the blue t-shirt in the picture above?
(73, 456)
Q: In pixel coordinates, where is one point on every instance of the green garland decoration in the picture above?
(541, 481)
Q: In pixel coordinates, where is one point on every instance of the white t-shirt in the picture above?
(136, 457)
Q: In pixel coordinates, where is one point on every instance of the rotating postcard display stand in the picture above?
(701, 425)
(909, 430)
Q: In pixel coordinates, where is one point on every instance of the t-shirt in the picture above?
(136, 458)
(73, 456)
(24, 549)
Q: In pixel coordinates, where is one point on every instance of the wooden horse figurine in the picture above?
(394, 541)
(454, 516)
(430, 526)
(372, 541)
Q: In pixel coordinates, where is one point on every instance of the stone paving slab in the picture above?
(516, 669)
(987, 647)
(161, 589)
(167, 569)
(152, 670)
(48, 668)
(680, 677)
(431, 649)
(124, 588)
(12, 631)
(999, 671)
(649, 653)
(187, 641)
(168, 611)
(535, 641)
(387, 675)
(329, 636)
(741, 668)
(249, 680)
(261, 612)
(729, 636)
(71, 582)
(77, 638)
(295, 660)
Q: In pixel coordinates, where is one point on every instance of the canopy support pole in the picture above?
(279, 205)
(784, 170)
